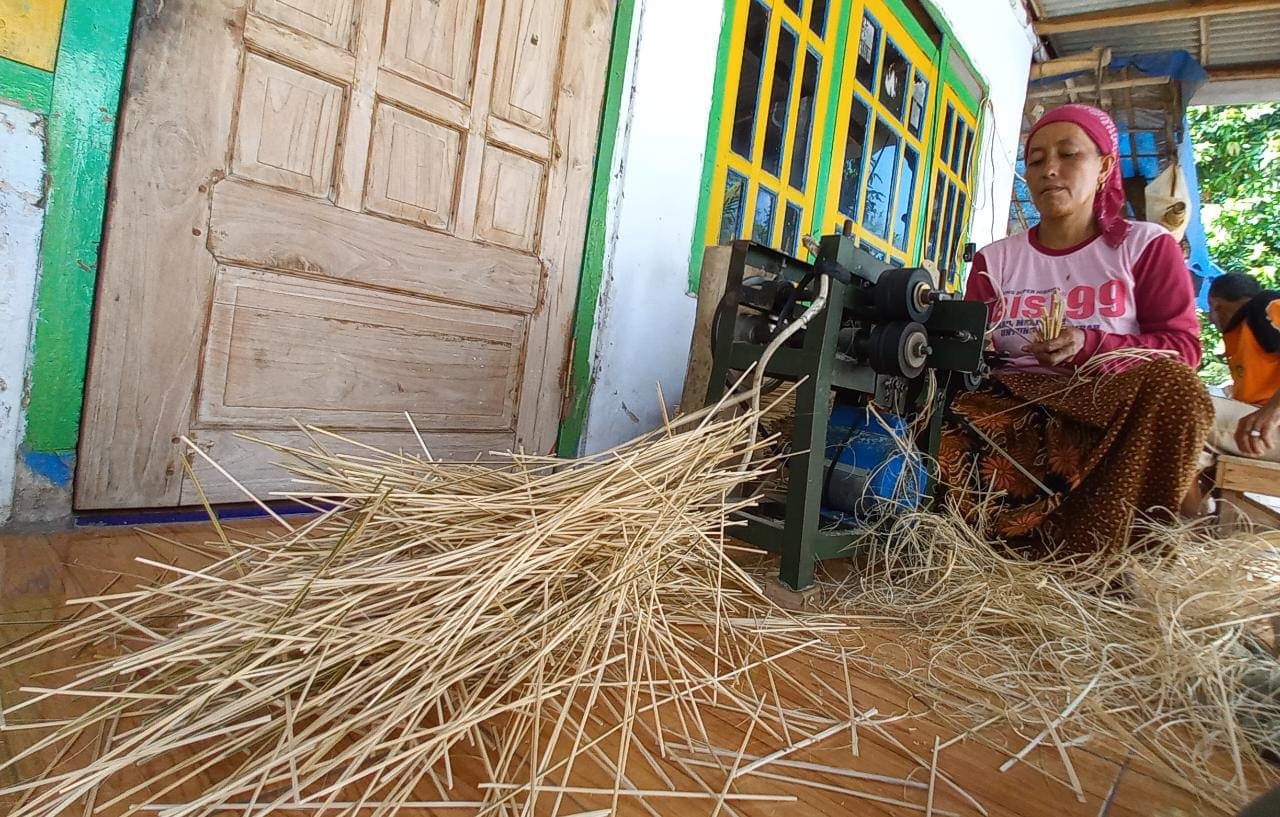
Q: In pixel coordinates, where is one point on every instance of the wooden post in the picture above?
(711, 288)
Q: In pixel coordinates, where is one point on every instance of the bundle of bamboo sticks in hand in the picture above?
(1052, 322)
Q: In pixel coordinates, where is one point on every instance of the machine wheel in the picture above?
(899, 348)
(904, 294)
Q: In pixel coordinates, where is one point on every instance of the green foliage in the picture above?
(1238, 161)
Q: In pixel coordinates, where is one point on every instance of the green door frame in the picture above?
(578, 395)
(83, 105)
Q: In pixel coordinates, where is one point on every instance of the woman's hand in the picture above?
(1256, 433)
(1056, 351)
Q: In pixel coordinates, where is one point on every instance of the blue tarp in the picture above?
(1200, 262)
(1177, 64)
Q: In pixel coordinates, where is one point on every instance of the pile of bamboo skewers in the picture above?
(572, 629)
(569, 628)
(1159, 657)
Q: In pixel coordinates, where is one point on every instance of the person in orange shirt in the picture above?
(1249, 318)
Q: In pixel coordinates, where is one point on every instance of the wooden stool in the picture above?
(1236, 476)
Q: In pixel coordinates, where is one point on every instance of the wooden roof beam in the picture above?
(1150, 13)
(1253, 70)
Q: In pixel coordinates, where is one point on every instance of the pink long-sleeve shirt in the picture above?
(1135, 296)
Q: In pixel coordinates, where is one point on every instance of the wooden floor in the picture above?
(39, 572)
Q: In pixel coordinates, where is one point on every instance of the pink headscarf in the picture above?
(1108, 205)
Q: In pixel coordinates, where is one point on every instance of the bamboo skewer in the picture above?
(933, 778)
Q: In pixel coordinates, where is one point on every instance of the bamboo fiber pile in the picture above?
(572, 628)
(528, 612)
(1154, 655)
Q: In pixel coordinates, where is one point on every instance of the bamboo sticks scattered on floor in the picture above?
(435, 610)
(576, 629)
(1150, 653)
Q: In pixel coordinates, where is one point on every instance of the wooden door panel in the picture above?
(326, 20)
(511, 192)
(310, 237)
(256, 468)
(410, 96)
(505, 134)
(290, 46)
(433, 43)
(287, 127)
(344, 356)
(413, 168)
(336, 211)
(529, 62)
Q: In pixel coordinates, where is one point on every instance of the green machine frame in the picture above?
(956, 337)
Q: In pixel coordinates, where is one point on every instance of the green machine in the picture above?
(878, 362)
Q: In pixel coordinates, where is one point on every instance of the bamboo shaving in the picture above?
(1149, 653)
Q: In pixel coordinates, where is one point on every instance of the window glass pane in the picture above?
(935, 217)
(946, 133)
(966, 158)
(762, 224)
(744, 109)
(735, 194)
(893, 79)
(957, 143)
(784, 65)
(851, 171)
(919, 99)
(794, 5)
(804, 120)
(906, 186)
(790, 229)
(881, 174)
(868, 50)
(818, 17)
(944, 258)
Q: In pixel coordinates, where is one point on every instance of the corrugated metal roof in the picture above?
(1246, 38)
(1173, 35)
(1064, 8)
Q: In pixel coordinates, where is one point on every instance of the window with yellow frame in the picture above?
(855, 82)
(766, 174)
(952, 191)
(883, 125)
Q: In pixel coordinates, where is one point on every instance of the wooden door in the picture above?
(337, 211)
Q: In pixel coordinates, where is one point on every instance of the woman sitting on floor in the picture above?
(1089, 453)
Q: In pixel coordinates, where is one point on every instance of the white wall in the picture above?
(997, 36)
(644, 318)
(21, 219)
(645, 315)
